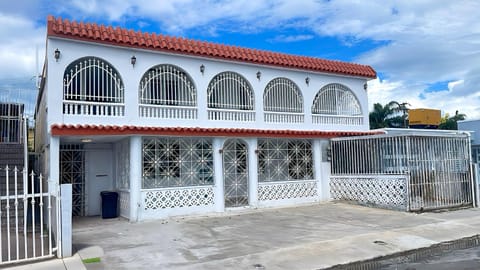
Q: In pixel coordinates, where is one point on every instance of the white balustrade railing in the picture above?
(283, 117)
(231, 115)
(93, 108)
(337, 119)
(167, 112)
(185, 113)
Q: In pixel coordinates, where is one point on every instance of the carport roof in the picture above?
(105, 130)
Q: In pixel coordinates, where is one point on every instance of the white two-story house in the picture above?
(179, 126)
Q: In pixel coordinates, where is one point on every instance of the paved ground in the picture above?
(307, 237)
(463, 259)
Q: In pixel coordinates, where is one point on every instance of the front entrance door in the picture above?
(235, 173)
(99, 177)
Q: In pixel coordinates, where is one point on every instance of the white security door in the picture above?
(235, 173)
(99, 177)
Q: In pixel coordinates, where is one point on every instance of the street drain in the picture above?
(379, 242)
(259, 266)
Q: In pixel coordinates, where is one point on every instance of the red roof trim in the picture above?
(91, 32)
(105, 130)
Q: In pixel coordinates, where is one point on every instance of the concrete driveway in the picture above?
(306, 237)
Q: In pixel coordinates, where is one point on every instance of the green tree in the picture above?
(450, 123)
(385, 116)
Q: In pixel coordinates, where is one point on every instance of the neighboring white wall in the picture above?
(120, 59)
(41, 137)
(471, 125)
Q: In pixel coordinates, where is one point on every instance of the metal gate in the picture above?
(413, 172)
(235, 173)
(72, 171)
(28, 217)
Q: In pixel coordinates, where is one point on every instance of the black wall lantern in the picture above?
(307, 80)
(202, 69)
(57, 55)
(133, 60)
(259, 75)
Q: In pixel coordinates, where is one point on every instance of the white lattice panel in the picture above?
(385, 191)
(287, 190)
(178, 198)
(124, 200)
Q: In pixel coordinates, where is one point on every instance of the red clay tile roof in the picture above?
(96, 130)
(63, 28)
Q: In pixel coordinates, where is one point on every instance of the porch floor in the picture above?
(306, 237)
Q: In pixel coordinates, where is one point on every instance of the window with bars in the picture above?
(229, 90)
(177, 162)
(92, 79)
(336, 99)
(282, 95)
(284, 160)
(167, 85)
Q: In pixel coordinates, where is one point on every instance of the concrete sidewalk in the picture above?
(71, 263)
(306, 237)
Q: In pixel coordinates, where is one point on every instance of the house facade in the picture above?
(181, 127)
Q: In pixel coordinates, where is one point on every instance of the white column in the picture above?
(259, 88)
(202, 81)
(252, 172)
(218, 174)
(135, 177)
(66, 219)
(322, 169)
(54, 163)
(317, 165)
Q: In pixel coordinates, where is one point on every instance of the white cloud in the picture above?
(19, 38)
(294, 38)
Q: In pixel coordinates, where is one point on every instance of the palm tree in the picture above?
(402, 108)
(450, 123)
(379, 115)
(387, 115)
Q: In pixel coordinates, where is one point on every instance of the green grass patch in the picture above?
(91, 260)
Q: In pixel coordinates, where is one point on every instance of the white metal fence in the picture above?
(27, 217)
(437, 169)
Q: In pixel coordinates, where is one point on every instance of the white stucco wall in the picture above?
(120, 59)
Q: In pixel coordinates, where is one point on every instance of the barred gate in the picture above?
(28, 217)
(406, 172)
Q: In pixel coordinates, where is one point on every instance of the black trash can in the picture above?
(109, 204)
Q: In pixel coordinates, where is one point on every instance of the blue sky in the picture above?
(427, 53)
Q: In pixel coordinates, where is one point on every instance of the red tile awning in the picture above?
(106, 130)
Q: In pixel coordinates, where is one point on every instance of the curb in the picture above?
(410, 256)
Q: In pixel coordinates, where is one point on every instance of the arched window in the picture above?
(229, 90)
(282, 95)
(283, 101)
(91, 86)
(336, 99)
(230, 98)
(167, 85)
